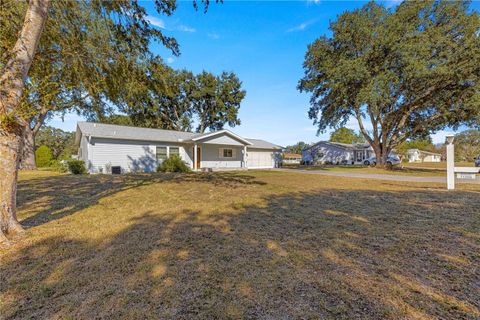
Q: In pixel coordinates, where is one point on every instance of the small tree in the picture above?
(43, 156)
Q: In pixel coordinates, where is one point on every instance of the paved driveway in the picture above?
(389, 177)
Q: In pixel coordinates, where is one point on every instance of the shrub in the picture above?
(43, 156)
(77, 166)
(173, 164)
(59, 166)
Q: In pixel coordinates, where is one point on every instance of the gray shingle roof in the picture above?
(112, 131)
(262, 144)
(102, 130)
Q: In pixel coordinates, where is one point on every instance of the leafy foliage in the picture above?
(297, 148)
(467, 145)
(77, 167)
(173, 164)
(216, 100)
(60, 142)
(409, 71)
(346, 135)
(43, 156)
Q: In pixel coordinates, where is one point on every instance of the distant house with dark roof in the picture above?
(325, 152)
(107, 148)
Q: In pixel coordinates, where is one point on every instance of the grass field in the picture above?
(437, 165)
(397, 170)
(259, 245)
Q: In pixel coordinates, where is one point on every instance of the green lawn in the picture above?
(257, 244)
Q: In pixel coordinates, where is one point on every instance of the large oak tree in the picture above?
(129, 31)
(408, 71)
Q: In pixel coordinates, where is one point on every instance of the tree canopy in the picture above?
(58, 141)
(409, 71)
(346, 135)
(467, 145)
(165, 98)
(297, 147)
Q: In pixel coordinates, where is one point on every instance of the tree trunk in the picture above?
(27, 154)
(12, 79)
(9, 146)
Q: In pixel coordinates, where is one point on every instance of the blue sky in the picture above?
(264, 44)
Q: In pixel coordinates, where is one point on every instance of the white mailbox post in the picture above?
(450, 162)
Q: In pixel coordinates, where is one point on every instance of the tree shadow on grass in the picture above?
(60, 196)
(335, 254)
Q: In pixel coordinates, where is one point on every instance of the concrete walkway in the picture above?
(389, 177)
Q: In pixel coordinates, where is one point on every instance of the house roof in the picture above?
(224, 131)
(345, 146)
(423, 151)
(262, 144)
(112, 131)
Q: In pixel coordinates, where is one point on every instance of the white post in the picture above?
(245, 156)
(195, 157)
(450, 163)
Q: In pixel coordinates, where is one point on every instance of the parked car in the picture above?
(477, 161)
(391, 160)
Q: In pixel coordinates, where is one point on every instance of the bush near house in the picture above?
(173, 164)
(77, 167)
(43, 156)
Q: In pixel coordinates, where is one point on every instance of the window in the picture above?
(161, 153)
(228, 153)
(174, 151)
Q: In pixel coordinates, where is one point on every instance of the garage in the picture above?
(260, 159)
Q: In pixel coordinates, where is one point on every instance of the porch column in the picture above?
(195, 157)
(245, 156)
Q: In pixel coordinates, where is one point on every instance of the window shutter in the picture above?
(220, 152)
(234, 153)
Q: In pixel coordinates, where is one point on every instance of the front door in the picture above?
(359, 156)
(199, 156)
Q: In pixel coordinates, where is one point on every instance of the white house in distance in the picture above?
(107, 148)
(325, 152)
(416, 155)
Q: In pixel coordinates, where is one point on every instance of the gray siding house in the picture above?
(325, 152)
(109, 148)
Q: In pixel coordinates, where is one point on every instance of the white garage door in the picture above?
(260, 159)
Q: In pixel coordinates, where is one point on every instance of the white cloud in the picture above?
(314, 1)
(185, 28)
(301, 26)
(213, 35)
(170, 59)
(157, 22)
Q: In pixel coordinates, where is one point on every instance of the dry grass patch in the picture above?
(268, 245)
(403, 169)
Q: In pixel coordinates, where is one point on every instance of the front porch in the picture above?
(222, 150)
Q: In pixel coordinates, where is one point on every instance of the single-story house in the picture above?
(325, 152)
(291, 158)
(107, 148)
(416, 155)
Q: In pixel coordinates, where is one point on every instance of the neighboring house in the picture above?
(416, 155)
(291, 158)
(107, 148)
(325, 152)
